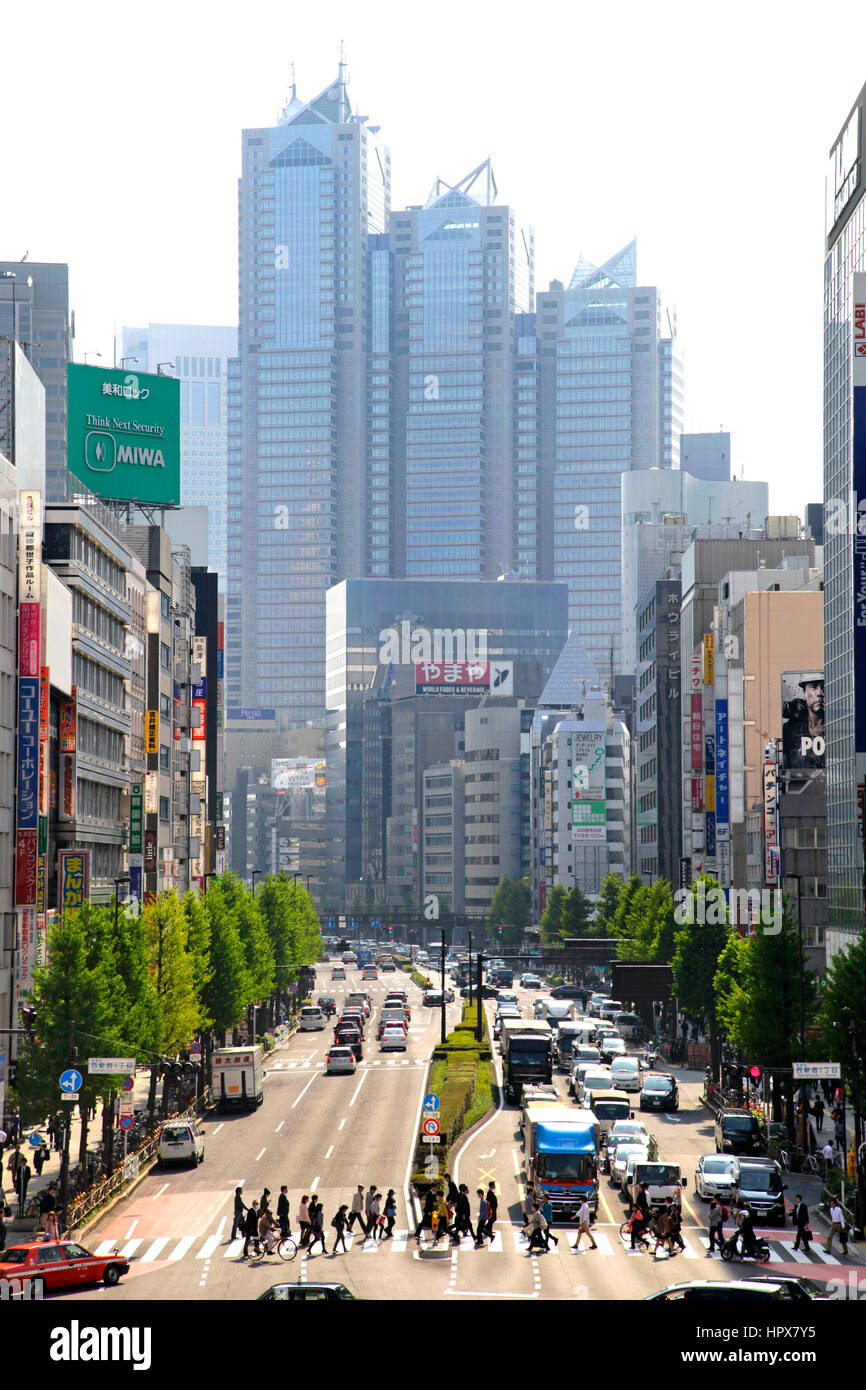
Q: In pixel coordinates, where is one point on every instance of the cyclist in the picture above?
(269, 1232)
(640, 1218)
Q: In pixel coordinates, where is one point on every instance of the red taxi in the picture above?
(59, 1264)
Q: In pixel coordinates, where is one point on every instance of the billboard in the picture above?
(771, 815)
(464, 677)
(722, 769)
(249, 715)
(124, 433)
(697, 732)
(803, 721)
(73, 879)
(588, 807)
(296, 774)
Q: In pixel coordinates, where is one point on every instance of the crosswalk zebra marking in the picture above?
(153, 1251)
(182, 1247)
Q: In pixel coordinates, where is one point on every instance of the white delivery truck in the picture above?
(238, 1077)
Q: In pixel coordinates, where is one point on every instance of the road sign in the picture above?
(195, 1049)
(430, 1126)
(431, 1138)
(69, 1095)
(111, 1066)
(71, 1080)
(35, 1140)
(817, 1071)
(352, 923)
(375, 922)
(431, 1101)
(128, 1083)
(126, 1122)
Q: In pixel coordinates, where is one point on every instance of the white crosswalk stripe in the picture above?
(798, 1255)
(689, 1253)
(131, 1246)
(182, 1247)
(209, 1247)
(822, 1255)
(153, 1251)
(105, 1247)
(235, 1249)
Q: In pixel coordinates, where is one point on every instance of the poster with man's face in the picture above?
(803, 721)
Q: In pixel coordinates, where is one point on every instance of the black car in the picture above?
(758, 1185)
(305, 1293)
(659, 1092)
(487, 991)
(350, 1037)
(738, 1132)
(570, 992)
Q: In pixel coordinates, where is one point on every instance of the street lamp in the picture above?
(211, 873)
(254, 873)
(797, 879)
(91, 353)
(160, 365)
(124, 360)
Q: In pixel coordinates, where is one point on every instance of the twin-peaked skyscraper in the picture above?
(403, 407)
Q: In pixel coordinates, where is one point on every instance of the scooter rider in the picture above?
(650, 1054)
(748, 1244)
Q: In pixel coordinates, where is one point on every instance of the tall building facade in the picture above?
(845, 256)
(198, 355)
(313, 189)
(34, 311)
(611, 400)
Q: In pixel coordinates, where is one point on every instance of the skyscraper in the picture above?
(198, 355)
(611, 400)
(313, 190)
(34, 311)
(845, 255)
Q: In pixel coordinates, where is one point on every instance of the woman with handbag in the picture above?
(339, 1225)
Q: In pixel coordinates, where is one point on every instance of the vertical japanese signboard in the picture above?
(858, 540)
(27, 801)
(68, 758)
(589, 799)
(771, 815)
(73, 879)
(135, 817)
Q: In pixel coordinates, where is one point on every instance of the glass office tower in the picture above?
(611, 395)
(313, 189)
(845, 254)
(34, 311)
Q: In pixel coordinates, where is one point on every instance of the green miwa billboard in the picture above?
(124, 433)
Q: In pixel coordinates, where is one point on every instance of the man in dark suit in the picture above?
(283, 1211)
(800, 1217)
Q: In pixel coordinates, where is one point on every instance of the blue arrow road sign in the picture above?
(35, 1140)
(376, 922)
(352, 923)
(431, 1102)
(71, 1080)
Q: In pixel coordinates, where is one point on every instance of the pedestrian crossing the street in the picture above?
(506, 1239)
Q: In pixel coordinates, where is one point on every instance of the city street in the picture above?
(328, 1133)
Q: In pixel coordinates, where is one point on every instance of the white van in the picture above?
(625, 1074)
(559, 1011)
(628, 1026)
(311, 1019)
(180, 1141)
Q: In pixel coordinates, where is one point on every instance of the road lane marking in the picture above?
(131, 1229)
(342, 1122)
(330, 1151)
(279, 1126)
(153, 1251)
(235, 1249)
(131, 1246)
(259, 1154)
(315, 1183)
(358, 1087)
(305, 1090)
(788, 1247)
(209, 1247)
(105, 1247)
(219, 1127)
(182, 1247)
(160, 1192)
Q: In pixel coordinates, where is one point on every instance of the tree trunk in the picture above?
(83, 1111)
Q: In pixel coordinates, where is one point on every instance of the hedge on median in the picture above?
(465, 1088)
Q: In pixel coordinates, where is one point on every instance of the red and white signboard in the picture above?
(464, 677)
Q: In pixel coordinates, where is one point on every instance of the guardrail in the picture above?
(86, 1203)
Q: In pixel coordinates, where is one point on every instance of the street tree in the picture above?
(606, 905)
(228, 989)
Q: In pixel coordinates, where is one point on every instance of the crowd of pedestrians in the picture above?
(262, 1226)
(447, 1211)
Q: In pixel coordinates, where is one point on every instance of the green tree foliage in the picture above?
(509, 910)
(258, 953)
(199, 947)
(552, 918)
(646, 927)
(758, 993)
(606, 905)
(172, 971)
(844, 1004)
(229, 989)
(576, 912)
(698, 944)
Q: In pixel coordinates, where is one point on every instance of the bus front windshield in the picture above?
(566, 1167)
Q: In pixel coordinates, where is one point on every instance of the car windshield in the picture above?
(174, 1133)
(16, 1256)
(658, 1174)
(740, 1123)
(527, 1053)
(657, 1083)
(610, 1109)
(566, 1167)
(717, 1165)
(759, 1179)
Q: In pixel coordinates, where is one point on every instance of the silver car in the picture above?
(716, 1176)
(621, 1155)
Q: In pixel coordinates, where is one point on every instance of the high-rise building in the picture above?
(611, 400)
(463, 267)
(34, 311)
(707, 456)
(198, 355)
(313, 190)
(843, 638)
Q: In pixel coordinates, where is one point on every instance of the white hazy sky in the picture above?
(702, 130)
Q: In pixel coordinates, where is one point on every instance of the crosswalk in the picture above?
(507, 1238)
(372, 1062)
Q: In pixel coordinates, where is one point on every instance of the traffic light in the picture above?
(28, 1019)
(499, 929)
(755, 1073)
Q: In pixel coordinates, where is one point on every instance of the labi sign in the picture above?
(124, 433)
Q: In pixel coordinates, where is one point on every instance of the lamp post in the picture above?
(160, 365)
(211, 873)
(254, 874)
(124, 360)
(797, 879)
(91, 353)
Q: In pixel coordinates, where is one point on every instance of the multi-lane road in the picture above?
(326, 1134)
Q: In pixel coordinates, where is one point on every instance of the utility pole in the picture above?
(470, 970)
(859, 1202)
(480, 1002)
(442, 960)
(67, 1126)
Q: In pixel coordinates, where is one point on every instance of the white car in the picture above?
(180, 1141)
(628, 1129)
(621, 1156)
(610, 1008)
(530, 981)
(393, 1040)
(716, 1176)
(311, 1020)
(340, 1059)
(594, 1079)
(507, 997)
(593, 1008)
